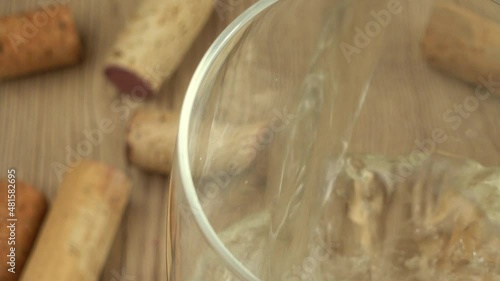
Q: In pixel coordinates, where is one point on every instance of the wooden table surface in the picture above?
(44, 116)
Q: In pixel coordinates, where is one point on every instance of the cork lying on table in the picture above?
(38, 41)
(77, 235)
(29, 211)
(463, 44)
(152, 135)
(154, 43)
(151, 139)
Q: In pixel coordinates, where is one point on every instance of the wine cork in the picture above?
(37, 41)
(152, 136)
(463, 44)
(151, 139)
(18, 226)
(154, 43)
(75, 239)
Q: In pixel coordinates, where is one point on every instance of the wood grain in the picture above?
(44, 115)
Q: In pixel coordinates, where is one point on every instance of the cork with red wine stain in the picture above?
(154, 43)
(38, 41)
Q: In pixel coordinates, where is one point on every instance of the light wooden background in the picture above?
(43, 115)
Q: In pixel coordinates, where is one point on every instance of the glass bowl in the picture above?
(340, 140)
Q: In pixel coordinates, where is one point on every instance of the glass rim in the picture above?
(182, 149)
